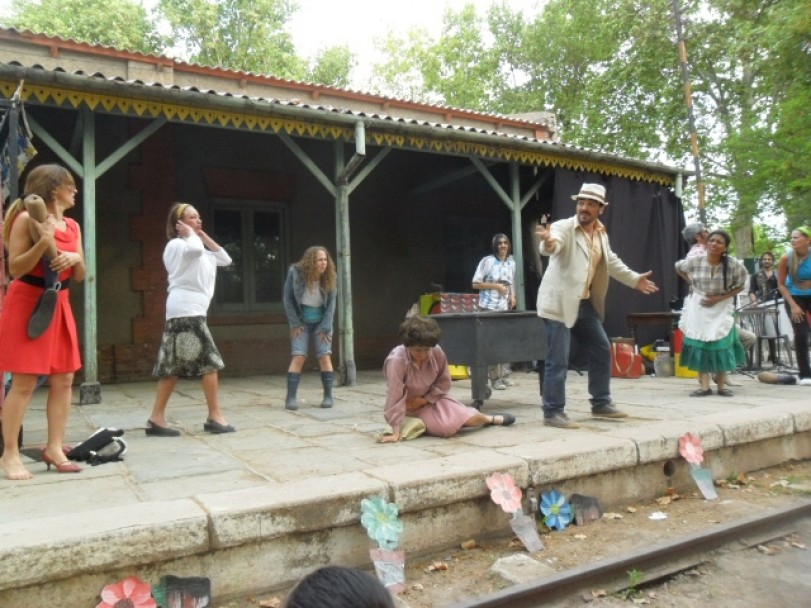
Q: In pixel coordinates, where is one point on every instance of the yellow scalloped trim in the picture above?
(324, 131)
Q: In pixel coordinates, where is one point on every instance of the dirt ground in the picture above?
(459, 573)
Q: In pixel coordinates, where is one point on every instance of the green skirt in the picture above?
(723, 355)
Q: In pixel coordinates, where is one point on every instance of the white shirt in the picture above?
(192, 273)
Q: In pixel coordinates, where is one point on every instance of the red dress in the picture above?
(57, 350)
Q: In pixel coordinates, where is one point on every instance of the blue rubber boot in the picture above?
(290, 402)
(326, 381)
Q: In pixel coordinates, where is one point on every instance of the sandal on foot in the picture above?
(212, 426)
(700, 392)
(724, 392)
(154, 430)
(506, 420)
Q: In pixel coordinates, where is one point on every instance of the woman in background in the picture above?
(55, 352)
(187, 348)
(711, 341)
(763, 289)
(495, 280)
(794, 283)
(310, 292)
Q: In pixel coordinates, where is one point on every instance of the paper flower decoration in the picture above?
(690, 448)
(556, 510)
(380, 520)
(504, 492)
(131, 592)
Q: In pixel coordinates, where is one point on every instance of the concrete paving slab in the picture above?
(301, 463)
(294, 507)
(173, 499)
(263, 437)
(739, 427)
(568, 457)
(181, 487)
(109, 488)
(85, 541)
(151, 459)
(659, 440)
(441, 481)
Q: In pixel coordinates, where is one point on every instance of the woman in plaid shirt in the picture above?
(711, 343)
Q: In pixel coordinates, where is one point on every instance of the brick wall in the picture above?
(154, 179)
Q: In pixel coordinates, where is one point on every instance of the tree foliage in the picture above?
(610, 71)
(122, 24)
(244, 35)
(247, 35)
(333, 66)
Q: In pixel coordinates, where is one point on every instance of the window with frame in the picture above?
(254, 236)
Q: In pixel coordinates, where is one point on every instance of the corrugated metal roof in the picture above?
(301, 104)
(55, 43)
(410, 125)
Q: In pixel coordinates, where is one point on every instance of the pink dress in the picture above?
(443, 415)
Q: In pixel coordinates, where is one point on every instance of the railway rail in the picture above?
(654, 563)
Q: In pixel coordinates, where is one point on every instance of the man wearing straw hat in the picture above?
(571, 299)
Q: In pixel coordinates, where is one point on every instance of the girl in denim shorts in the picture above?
(309, 303)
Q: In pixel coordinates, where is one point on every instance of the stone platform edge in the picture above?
(441, 501)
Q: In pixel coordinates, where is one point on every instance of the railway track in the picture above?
(654, 563)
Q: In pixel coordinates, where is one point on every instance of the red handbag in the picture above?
(625, 362)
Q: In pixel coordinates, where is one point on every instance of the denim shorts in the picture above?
(299, 345)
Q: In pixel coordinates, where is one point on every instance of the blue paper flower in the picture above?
(381, 523)
(556, 510)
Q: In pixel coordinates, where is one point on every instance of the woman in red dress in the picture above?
(55, 352)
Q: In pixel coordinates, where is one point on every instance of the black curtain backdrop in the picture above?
(644, 223)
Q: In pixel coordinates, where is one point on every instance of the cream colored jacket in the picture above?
(565, 278)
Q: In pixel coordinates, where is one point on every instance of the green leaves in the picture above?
(609, 69)
(121, 24)
(246, 35)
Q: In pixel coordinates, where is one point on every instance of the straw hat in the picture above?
(594, 192)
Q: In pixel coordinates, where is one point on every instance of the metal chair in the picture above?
(763, 323)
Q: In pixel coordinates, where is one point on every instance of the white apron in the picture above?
(706, 323)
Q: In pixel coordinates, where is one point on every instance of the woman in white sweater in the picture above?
(187, 348)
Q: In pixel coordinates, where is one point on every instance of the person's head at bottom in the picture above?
(339, 587)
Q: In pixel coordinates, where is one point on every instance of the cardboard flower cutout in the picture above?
(382, 525)
(690, 449)
(556, 510)
(504, 492)
(380, 520)
(131, 592)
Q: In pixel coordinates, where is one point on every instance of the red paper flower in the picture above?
(690, 448)
(131, 592)
(503, 492)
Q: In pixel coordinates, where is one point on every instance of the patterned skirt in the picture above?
(187, 349)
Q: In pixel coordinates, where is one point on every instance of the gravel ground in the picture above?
(441, 579)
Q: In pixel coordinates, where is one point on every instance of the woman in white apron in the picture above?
(711, 343)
